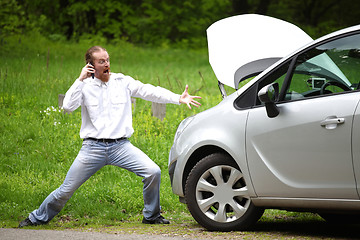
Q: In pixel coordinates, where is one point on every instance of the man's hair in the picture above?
(90, 51)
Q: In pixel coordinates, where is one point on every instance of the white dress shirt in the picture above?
(106, 107)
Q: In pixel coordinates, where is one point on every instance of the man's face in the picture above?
(102, 65)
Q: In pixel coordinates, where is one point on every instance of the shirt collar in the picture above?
(98, 82)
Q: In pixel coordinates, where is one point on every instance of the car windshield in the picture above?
(322, 63)
(328, 68)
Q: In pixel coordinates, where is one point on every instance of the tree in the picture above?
(245, 6)
(12, 17)
(164, 22)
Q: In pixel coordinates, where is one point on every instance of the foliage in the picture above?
(162, 22)
(317, 17)
(12, 17)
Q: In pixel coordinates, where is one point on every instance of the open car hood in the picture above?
(245, 45)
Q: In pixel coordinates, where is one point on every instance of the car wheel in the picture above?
(217, 197)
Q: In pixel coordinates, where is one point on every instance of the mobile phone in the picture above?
(92, 74)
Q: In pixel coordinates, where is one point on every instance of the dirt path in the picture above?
(31, 234)
(277, 229)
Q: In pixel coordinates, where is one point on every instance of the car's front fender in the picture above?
(207, 133)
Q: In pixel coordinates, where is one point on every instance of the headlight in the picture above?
(182, 126)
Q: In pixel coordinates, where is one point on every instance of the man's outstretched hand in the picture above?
(187, 99)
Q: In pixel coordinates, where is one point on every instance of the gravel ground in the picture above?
(30, 234)
(277, 229)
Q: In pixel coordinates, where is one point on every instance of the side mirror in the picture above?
(269, 95)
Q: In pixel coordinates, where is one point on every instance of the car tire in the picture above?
(217, 197)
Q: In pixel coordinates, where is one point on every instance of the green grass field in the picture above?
(39, 142)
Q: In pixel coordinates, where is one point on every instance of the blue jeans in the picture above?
(93, 156)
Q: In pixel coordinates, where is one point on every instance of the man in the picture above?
(105, 100)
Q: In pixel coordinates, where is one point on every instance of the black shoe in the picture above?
(26, 222)
(158, 220)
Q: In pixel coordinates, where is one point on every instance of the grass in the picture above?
(39, 142)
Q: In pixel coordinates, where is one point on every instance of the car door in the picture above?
(356, 146)
(306, 151)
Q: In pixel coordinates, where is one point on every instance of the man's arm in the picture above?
(73, 96)
(159, 94)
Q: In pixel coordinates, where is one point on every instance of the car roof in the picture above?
(245, 45)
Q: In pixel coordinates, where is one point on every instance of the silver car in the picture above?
(288, 139)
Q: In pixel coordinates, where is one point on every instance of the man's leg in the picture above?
(127, 156)
(89, 160)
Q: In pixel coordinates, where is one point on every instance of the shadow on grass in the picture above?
(273, 229)
(309, 229)
(270, 229)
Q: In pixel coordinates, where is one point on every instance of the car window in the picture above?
(277, 76)
(333, 67)
(330, 68)
(249, 97)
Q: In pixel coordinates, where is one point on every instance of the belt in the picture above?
(105, 140)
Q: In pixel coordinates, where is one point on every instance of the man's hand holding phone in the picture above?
(87, 71)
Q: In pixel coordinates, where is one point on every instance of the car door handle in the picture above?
(332, 122)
